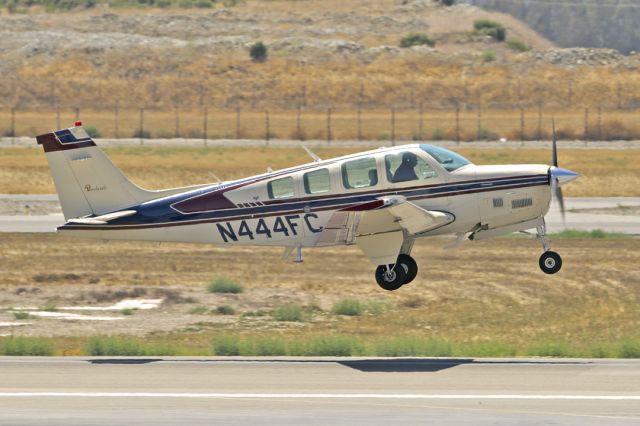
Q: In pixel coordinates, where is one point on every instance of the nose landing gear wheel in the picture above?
(410, 267)
(390, 278)
(550, 262)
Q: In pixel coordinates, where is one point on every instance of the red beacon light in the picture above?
(78, 123)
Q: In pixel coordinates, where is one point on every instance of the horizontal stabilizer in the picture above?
(101, 220)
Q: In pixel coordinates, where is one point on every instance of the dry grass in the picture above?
(374, 124)
(604, 172)
(464, 296)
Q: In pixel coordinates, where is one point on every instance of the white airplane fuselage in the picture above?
(298, 221)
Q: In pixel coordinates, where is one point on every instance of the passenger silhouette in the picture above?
(405, 171)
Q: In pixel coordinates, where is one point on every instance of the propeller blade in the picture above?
(557, 193)
(554, 155)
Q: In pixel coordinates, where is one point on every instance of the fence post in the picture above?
(479, 120)
(57, 115)
(117, 119)
(77, 113)
(539, 121)
(393, 127)
(177, 132)
(13, 125)
(329, 125)
(619, 95)
(420, 122)
(237, 122)
(521, 124)
(141, 125)
(586, 125)
(298, 124)
(205, 123)
(267, 132)
(458, 125)
(359, 135)
(600, 123)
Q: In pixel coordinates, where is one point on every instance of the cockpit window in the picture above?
(281, 188)
(449, 159)
(407, 166)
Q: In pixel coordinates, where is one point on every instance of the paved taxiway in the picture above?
(346, 391)
(628, 224)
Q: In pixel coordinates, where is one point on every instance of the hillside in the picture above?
(331, 47)
(322, 55)
(587, 23)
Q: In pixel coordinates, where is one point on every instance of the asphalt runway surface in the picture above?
(628, 224)
(338, 391)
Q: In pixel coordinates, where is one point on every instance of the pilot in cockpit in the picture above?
(405, 171)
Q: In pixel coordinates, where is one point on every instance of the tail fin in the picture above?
(87, 182)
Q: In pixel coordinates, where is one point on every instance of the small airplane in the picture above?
(381, 200)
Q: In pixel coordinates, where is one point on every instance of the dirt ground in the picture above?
(482, 290)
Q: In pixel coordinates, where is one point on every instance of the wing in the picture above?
(379, 227)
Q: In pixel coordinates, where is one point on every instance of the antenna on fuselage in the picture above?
(215, 177)
(311, 153)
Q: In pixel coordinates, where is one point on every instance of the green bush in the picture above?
(21, 315)
(290, 312)
(199, 310)
(448, 2)
(26, 346)
(630, 349)
(412, 346)
(258, 52)
(266, 346)
(486, 135)
(125, 346)
(491, 28)
(225, 310)
(349, 307)
(417, 39)
(226, 346)
(488, 56)
(328, 345)
(141, 134)
(224, 285)
(517, 45)
(93, 131)
(552, 349)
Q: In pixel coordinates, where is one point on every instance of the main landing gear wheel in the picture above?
(390, 277)
(550, 262)
(410, 267)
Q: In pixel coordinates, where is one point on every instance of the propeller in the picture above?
(557, 175)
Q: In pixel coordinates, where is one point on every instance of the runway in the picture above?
(336, 391)
(628, 224)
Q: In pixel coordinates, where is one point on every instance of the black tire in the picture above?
(550, 262)
(410, 267)
(392, 281)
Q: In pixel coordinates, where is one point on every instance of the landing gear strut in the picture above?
(550, 262)
(392, 277)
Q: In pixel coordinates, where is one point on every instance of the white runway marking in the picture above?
(319, 396)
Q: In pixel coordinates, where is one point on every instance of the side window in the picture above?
(360, 173)
(317, 181)
(407, 166)
(281, 188)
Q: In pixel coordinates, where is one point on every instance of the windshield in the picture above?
(449, 159)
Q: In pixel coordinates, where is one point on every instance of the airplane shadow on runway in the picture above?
(381, 365)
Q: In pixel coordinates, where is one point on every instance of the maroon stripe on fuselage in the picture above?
(258, 216)
(51, 144)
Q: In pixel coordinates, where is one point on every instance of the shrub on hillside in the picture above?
(518, 45)
(417, 39)
(258, 52)
(491, 28)
(448, 2)
(488, 56)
